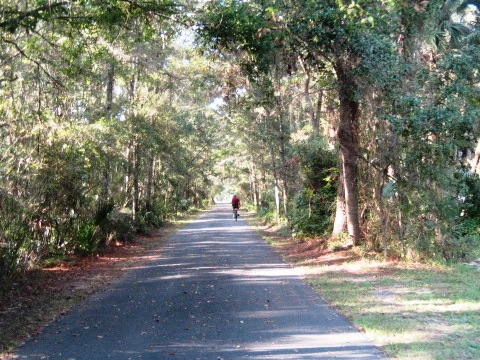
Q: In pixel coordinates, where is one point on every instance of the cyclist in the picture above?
(235, 205)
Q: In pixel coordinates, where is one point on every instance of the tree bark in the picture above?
(108, 108)
(135, 166)
(349, 146)
(340, 222)
(277, 199)
(136, 179)
(283, 173)
(276, 187)
(110, 86)
(149, 185)
(254, 185)
(314, 117)
(318, 113)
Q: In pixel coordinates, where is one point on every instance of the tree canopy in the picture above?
(356, 121)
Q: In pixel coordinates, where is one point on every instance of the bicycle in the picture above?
(235, 214)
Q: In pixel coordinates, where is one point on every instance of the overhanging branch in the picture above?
(36, 62)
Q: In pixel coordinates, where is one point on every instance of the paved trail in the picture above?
(214, 291)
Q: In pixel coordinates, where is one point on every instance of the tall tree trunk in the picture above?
(254, 184)
(136, 177)
(276, 188)
(340, 222)
(135, 147)
(110, 86)
(149, 185)
(129, 152)
(108, 108)
(277, 199)
(283, 173)
(314, 116)
(318, 114)
(349, 146)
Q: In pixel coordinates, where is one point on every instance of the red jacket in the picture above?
(235, 201)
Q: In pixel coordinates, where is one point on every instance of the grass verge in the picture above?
(410, 310)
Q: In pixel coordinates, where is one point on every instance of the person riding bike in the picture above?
(235, 205)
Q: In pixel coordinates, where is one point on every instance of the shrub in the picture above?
(311, 214)
(461, 248)
(267, 215)
(17, 250)
(87, 239)
(120, 227)
(464, 241)
(313, 204)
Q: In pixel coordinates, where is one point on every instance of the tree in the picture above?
(415, 124)
(384, 69)
(330, 42)
(75, 128)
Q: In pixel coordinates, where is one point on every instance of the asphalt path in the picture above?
(214, 290)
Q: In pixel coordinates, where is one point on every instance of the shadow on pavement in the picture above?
(214, 291)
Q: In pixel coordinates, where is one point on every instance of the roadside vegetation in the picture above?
(411, 310)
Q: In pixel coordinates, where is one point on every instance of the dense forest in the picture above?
(357, 121)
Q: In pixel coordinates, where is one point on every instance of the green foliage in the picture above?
(464, 241)
(15, 234)
(92, 121)
(267, 216)
(471, 196)
(103, 210)
(430, 116)
(120, 228)
(313, 204)
(151, 218)
(241, 26)
(310, 214)
(87, 239)
(62, 169)
(100, 104)
(13, 18)
(83, 14)
(430, 134)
